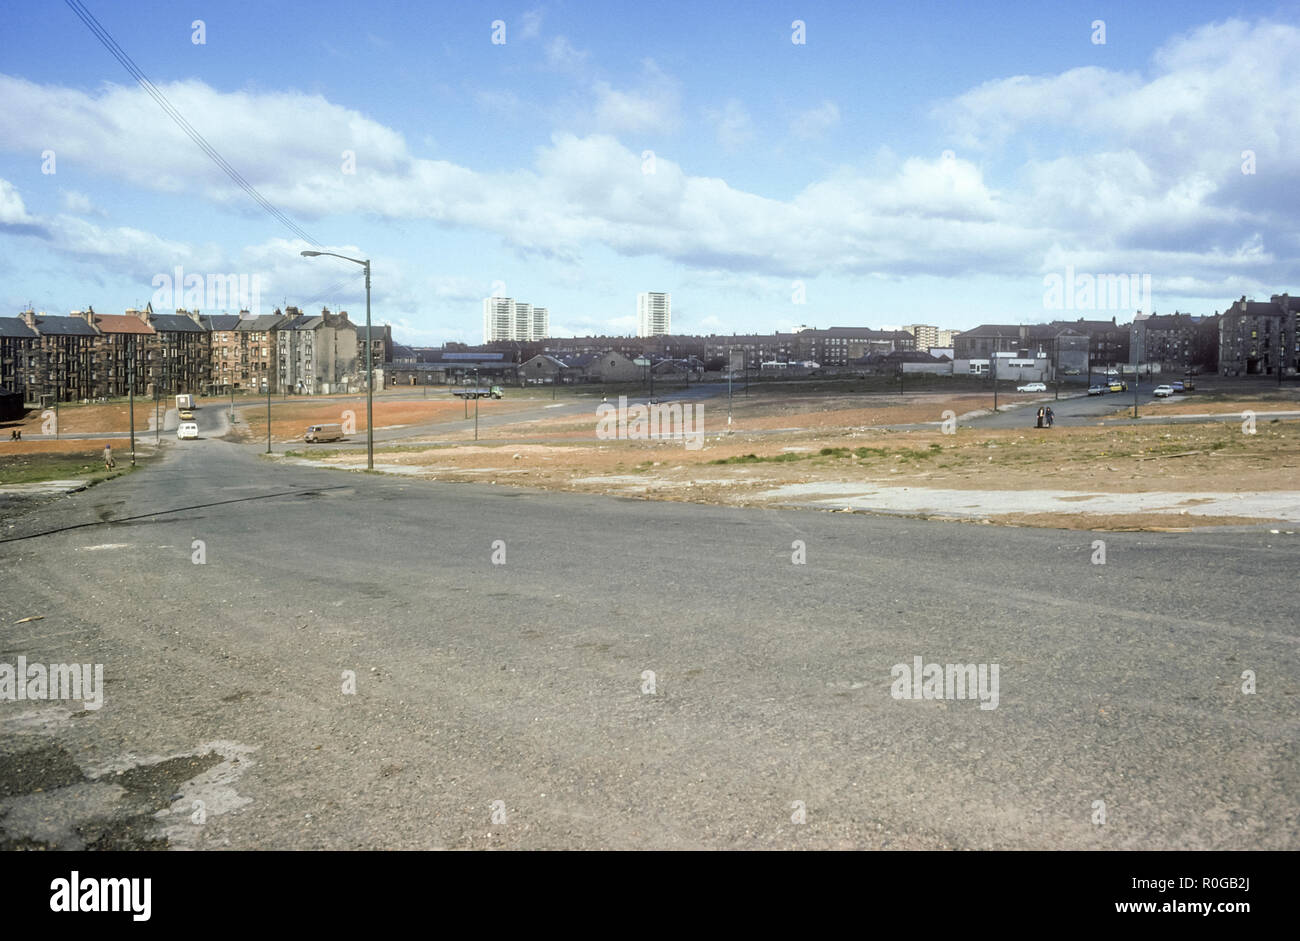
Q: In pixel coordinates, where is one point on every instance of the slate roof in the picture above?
(64, 326)
(259, 324)
(303, 322)
(14, 327)
(220, 321)
(174, 323)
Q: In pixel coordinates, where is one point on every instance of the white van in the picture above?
(324, 433)
(187, 429)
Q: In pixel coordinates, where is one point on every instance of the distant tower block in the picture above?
(653, 314)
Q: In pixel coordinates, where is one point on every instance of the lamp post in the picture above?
(370, 385)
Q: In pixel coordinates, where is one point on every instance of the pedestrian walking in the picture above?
(109, 463)
(1040, 419)
(1050, 416)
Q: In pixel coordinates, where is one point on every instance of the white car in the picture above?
(1162, 392)
(1032, 387)
(187, 429)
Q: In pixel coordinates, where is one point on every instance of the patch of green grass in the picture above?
(756, 459)
(34, 468)
(787, 456)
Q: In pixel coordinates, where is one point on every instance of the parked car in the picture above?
(187, 429)
(1098, 390)
(1032, 387)
(1074, 371)
(1162, 392)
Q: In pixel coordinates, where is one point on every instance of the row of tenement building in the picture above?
(88, 355)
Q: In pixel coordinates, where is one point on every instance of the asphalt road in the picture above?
(225, 722)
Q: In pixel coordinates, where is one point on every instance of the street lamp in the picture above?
(370, 385)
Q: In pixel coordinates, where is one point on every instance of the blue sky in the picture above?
(919, 162)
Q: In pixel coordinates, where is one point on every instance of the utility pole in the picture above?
(475, 403)
(267, 381)
(731, 371)
(1137, 362)
(1056, 369)
(130, 371)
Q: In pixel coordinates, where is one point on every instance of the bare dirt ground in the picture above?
(291, 417)
(85, 419)
(838, 441)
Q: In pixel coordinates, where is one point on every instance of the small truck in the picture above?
(185, 401)
(316, 433)
(478, 392)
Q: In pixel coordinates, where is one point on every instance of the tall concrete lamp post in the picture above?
(370, 362)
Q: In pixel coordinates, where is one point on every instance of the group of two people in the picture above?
(1045, 417)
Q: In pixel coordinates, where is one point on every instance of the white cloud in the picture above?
(12, 209)
(530, 24)
(651, 107)
(122, 133)
(735, 130)
(561, 54)
(1211, 93)
(78, 203)
(816, 122)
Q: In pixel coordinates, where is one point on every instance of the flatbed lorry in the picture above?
(478, 392)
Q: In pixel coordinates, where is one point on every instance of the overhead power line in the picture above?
(108, 42)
